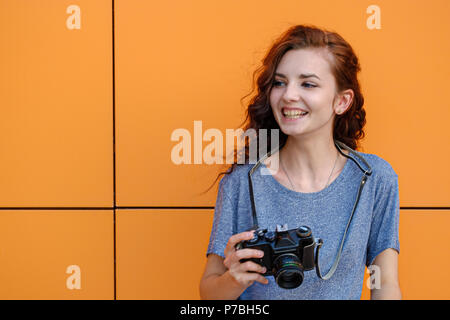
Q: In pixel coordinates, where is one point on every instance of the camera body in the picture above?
(287, 253)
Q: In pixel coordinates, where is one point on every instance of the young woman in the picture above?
(308, 88)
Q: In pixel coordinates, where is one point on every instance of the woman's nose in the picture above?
(291, 92)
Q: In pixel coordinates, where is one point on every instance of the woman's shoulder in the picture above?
(236, 177)
(380, 166)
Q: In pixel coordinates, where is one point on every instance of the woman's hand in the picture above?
(245, 274)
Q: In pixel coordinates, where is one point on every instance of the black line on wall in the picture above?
(114, 145)
(165, 207)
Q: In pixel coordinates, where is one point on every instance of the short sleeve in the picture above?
(223, 222)
(385, 221)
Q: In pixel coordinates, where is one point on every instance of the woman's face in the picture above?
(303, 92)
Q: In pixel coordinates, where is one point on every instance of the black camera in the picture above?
(287, 253)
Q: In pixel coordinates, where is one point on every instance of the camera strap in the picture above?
(367, 172)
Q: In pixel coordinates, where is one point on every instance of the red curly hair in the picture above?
(347, 127)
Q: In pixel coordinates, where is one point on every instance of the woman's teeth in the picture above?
(294, 114)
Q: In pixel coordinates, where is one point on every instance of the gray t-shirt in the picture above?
(374, 227)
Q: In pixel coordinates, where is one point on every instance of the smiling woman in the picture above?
(327, 65)
(308, 89)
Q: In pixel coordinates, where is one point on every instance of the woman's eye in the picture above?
(277, 83)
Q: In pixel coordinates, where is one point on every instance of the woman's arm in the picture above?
(217, 283)
(387, 261)
(227, 279)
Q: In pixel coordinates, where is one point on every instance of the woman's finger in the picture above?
(249, 253)
(251, 266)
(235, 239)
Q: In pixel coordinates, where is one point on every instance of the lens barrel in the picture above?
(288, 271)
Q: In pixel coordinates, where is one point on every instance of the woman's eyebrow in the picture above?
(302, 76)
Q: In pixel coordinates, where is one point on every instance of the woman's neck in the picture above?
(310, 161)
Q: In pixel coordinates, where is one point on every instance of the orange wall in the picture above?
(88, 189)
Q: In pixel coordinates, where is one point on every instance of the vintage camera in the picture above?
(287, 253)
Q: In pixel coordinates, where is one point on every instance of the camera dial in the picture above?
(270, 236)
(261, 232)
(303, 232)
(255, 239)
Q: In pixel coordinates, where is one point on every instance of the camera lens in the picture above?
(289, 271)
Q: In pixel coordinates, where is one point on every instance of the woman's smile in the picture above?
(292, 114)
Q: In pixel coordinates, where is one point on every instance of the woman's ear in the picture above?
(343, 101)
